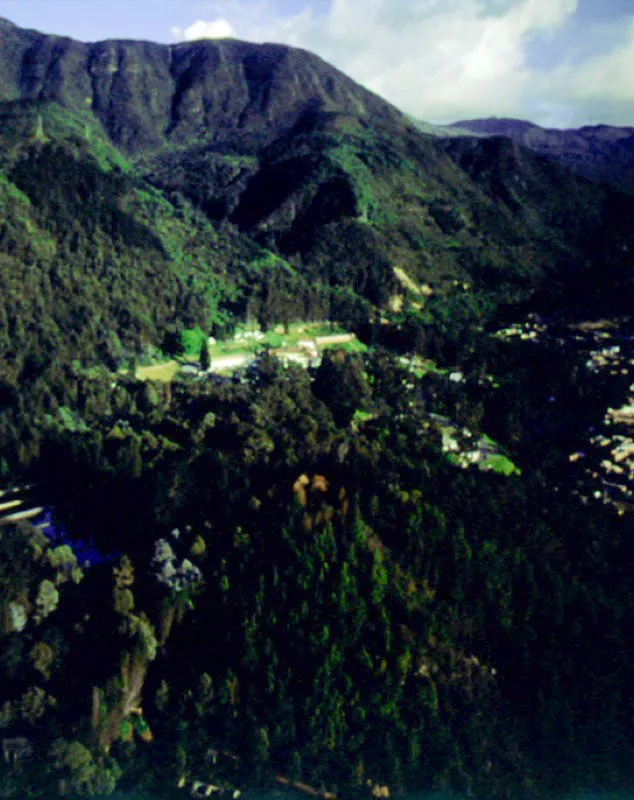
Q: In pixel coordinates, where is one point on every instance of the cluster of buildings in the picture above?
(613, 467)
(531, 329)
(608, 459)
(466, 449)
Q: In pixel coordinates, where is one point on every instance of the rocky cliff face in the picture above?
(602, 153)
(147, 95)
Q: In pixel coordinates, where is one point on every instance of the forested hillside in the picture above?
(603, 153)
(388, 571)
(297, 575)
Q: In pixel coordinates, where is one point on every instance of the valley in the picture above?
(316, 435)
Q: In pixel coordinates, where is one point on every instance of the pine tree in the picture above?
(205, 359)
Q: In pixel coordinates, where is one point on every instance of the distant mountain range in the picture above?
(599, 152)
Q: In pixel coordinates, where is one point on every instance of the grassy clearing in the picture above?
(500, 464)
(352, 346)
(158, 372)
(419, 367)
(248, 341)
(231, 347)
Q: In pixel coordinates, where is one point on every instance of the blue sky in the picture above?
(558, 62)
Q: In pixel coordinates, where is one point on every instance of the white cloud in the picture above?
(602, 78)
(539, 14)
(590, 90)
(443, 60)
(253, 21)
(216, 29)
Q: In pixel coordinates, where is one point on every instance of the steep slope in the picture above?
(147, 95)
(352, 200)
(96, 263)
(337, 192)
(602, 153)
(593, 222)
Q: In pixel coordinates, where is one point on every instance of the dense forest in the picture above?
(295, 574)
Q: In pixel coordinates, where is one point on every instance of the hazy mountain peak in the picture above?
(494, 124)
(602, 153)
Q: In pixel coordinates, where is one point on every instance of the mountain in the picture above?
(602, 153)
(443, 130)
(391, 573)
(229, 93)
(207, 181)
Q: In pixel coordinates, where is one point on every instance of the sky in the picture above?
(559, 63)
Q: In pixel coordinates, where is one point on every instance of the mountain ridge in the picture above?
(314, 176)
(603, 153)
(175, 84)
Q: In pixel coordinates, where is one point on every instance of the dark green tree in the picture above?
(205, 358)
